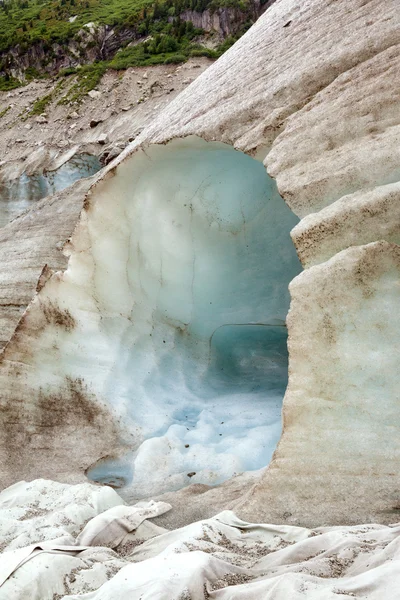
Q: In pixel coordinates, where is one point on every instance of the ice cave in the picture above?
(172, 313)
(187, 263)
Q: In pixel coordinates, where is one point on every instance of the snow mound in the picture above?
(221, 558)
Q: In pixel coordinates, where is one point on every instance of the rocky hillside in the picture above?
(40, 38)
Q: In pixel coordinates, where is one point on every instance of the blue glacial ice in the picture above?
(20, 194)
(201, 359)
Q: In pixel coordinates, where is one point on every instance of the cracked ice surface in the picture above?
(193, 257)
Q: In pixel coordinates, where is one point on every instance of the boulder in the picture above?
(94, 94)
(102, 139)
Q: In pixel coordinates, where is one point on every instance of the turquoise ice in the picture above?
(202, 367)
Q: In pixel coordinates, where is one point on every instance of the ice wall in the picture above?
(192, 264)
(19, 194)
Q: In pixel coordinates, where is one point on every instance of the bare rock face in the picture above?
(311, 93)
(225, 20)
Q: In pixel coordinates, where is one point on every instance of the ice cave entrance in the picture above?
(201, 366)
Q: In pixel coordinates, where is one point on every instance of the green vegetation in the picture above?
(4, 111)
(8, 83)
(89, 76)
(32, 73)
(166, 38)
(25, 22)
(40, 105)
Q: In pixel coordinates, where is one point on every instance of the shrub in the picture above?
(8, 83)
(67, 71)
(40, 105)
(204, 52)
(175, 59)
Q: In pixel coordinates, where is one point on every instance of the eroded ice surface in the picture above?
(192, 270)
(19, 194)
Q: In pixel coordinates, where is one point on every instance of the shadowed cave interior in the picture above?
(201, 360)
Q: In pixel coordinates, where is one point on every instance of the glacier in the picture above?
(315, 102)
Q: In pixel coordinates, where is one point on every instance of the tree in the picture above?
(156, 11)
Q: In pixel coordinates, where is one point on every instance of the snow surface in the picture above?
(81, 543)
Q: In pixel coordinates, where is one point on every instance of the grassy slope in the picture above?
(29, 21)
(24, 23)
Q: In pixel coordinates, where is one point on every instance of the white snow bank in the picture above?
(39, 522)
(222, 558)
(41, 510)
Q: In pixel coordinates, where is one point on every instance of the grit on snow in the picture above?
(80, 542)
